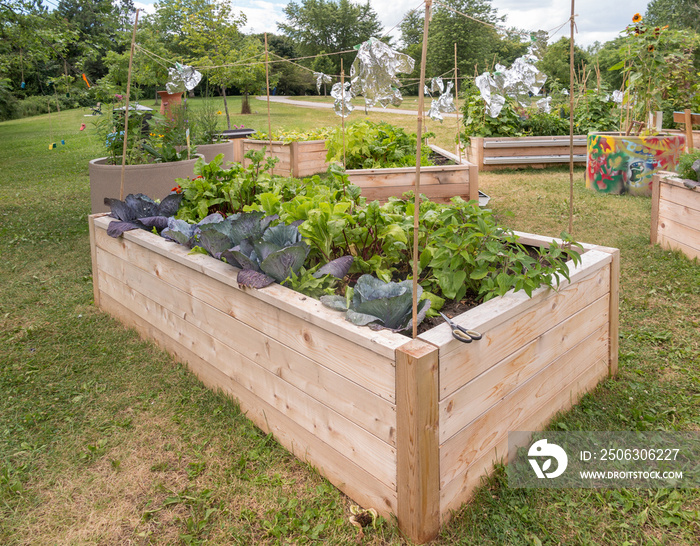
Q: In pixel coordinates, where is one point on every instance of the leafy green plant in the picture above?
(141, 212)
(594, 112)
(479, 124)
(294, 136)
(685, 165)
(370, 145)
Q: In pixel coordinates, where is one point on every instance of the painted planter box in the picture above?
(675, 214)
(404, 426)
(493, 153)
(154, 179)
(297, 159)
(439, 182)
(626, 164)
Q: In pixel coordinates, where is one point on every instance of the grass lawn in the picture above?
(104, 439)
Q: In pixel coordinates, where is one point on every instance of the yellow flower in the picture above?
(637, 17)
(219, 112)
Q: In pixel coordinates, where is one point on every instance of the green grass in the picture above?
(104, 439)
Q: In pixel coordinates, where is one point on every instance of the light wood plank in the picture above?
(460, 489)
(418, 474)
(673, 191)
(93, 254)
(343, 472)
(492, 386)
(309, 310)
(336, 351)
(675, 223)
(668, 243)
(532, 398)
(330, 427)
(346, 397)
(509, 323)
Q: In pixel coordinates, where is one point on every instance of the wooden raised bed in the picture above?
(439, 182)
(297, 159)
(675, 214)
(490, 153)
(405, 426)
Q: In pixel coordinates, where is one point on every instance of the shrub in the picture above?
(685, 165)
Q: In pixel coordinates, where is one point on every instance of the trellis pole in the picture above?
(267, 85)
(571, 124)
(342, 117)
(126, 106)
(459, 147)
(416, 189)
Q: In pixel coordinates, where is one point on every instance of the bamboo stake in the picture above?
(416, 189)
(126, 106)
(459, 147)
(267, 84)
(571, 124)
(342, 118)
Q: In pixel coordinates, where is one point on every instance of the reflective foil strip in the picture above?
(321, 78)
(182, 78)
(343, 98)
(521, 81)
(373, 73)
(444, 104)
(545, 105)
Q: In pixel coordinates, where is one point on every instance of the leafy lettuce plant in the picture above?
(380, 304)
(140, 212)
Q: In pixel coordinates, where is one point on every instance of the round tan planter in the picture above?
(210, 151)
(155, 180)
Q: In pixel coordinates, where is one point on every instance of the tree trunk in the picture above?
(228, 118)
(245, 105)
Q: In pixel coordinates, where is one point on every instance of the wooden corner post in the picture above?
(93, 253)
(417, 441)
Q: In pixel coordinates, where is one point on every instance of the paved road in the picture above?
(326, 105)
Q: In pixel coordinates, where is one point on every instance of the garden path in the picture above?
(308, 104)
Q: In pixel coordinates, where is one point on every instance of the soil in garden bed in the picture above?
(451, 309)
(440, 160)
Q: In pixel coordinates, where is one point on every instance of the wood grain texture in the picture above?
(418, 473)
(345, 473)
(530, 400)
(461, 487)
(327, 425)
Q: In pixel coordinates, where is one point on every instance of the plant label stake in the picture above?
(126, 105)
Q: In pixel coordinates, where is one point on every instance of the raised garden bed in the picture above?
(404, 426)
(490, 153)
(297, 159)
(439, 182)
(675, 214)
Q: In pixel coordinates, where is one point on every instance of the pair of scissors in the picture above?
(460, 333)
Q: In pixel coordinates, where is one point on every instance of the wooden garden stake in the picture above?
(342, 118)
(571, 124)
(459, 147)
(416, 189)
(267, 83)
(126, 106)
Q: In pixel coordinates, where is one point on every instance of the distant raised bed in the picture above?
(439, 182)
(675, 214)
(297, 159)
(490, 153)
(404, 426)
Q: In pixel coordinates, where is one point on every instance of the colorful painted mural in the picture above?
(626, 164)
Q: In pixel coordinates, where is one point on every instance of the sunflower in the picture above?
(637, 17)
(650, 48)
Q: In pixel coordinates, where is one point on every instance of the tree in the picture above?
(291, 78)
(678, 14)
(212, 36)
(97, 25)
(479, 45)
(555, 63)
(330, 26)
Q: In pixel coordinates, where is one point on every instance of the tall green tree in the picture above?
(479, 45)
(678, 14)
(97, 24)
(330, 26)
(555, 63)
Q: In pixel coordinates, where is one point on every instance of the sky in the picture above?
(597, 20)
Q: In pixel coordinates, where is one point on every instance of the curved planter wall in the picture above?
(155, 180)
(626, 164)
